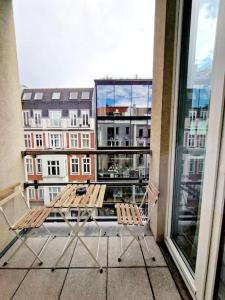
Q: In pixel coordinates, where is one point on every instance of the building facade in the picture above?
(123, 126)
(58, 119)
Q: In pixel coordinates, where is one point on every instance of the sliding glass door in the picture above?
(196, 61)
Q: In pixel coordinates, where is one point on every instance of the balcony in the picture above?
(136, 277)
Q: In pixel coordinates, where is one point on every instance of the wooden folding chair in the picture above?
(132, 216)
(33, 218)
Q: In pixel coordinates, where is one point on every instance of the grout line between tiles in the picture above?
(146, 269)
(68, 269)
(28, 270)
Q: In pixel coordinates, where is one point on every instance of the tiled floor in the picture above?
(136, 277)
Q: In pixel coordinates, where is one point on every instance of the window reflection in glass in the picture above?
(134, 166)
(192, 126)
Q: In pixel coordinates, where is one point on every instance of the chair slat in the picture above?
(94, 197)
(133, 214)
(119, 218)
(137, 212)
(129, 218)
(101, 196)
(124, 217)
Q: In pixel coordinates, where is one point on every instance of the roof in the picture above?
(64, 93)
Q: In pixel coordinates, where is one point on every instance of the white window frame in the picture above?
(31, 190)
(55, 117)
(84, 163)
(38, 96)
(53, 192)
(38, 140)
(85, 117)
(72, 97)
(56, 95)
(41, 194)
(53, 164)
(27, 140)
(37, 117)
(39, 168)
(85, 139)
(73, 114)
(53, 139)
(26, 118)
(202, 284)
(26, 97)
(74, 163)
(29, 165)
(85, 95)
(72, 139)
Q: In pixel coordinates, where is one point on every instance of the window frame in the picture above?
(77, 163)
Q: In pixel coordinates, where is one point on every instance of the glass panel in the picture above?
(122, 100)
(193, 110)
(140, 100)
(132, 166)
(105, 100)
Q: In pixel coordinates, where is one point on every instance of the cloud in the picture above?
(71, 42)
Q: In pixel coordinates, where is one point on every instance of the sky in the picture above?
(69, 43)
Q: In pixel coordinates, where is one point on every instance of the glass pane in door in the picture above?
(197, 52)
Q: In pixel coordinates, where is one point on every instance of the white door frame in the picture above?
(197, 282)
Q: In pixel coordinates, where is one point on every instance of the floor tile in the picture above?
(163, 285)
(41, 284)
(133, 256)
(81, 258)
(9, 281)
(84, 284)
(53, 251)
(128, 284)
(23, 258)
(154, 251)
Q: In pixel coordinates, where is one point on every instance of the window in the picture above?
(117, 130)
(27, 96)
(55, 118)
(38, 96)
(29, 166)
(86, 166)
(53, 167)
(200, 166)
(203, 114)
(30, 193)
(192, 166)
(85, 95)
(191, 140)
(201, 140)
(26, 118)
(73, 95)
(127, 130)
(74, 166)
(37, 117)
(39, 140)
(38, 166)
(140, 132)
(56, 140)
(73, 140)
(56, 96)
(85, 140)
(73, 117)
(27, 140)
(85, 117)
(40, 194)
(53, 192)
(193, 115)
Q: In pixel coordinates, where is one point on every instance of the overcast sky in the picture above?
(69, 43)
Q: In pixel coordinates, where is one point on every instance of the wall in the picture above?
(11, 129)
(165, 12)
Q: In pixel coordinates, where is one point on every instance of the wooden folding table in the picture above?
(85, 204)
